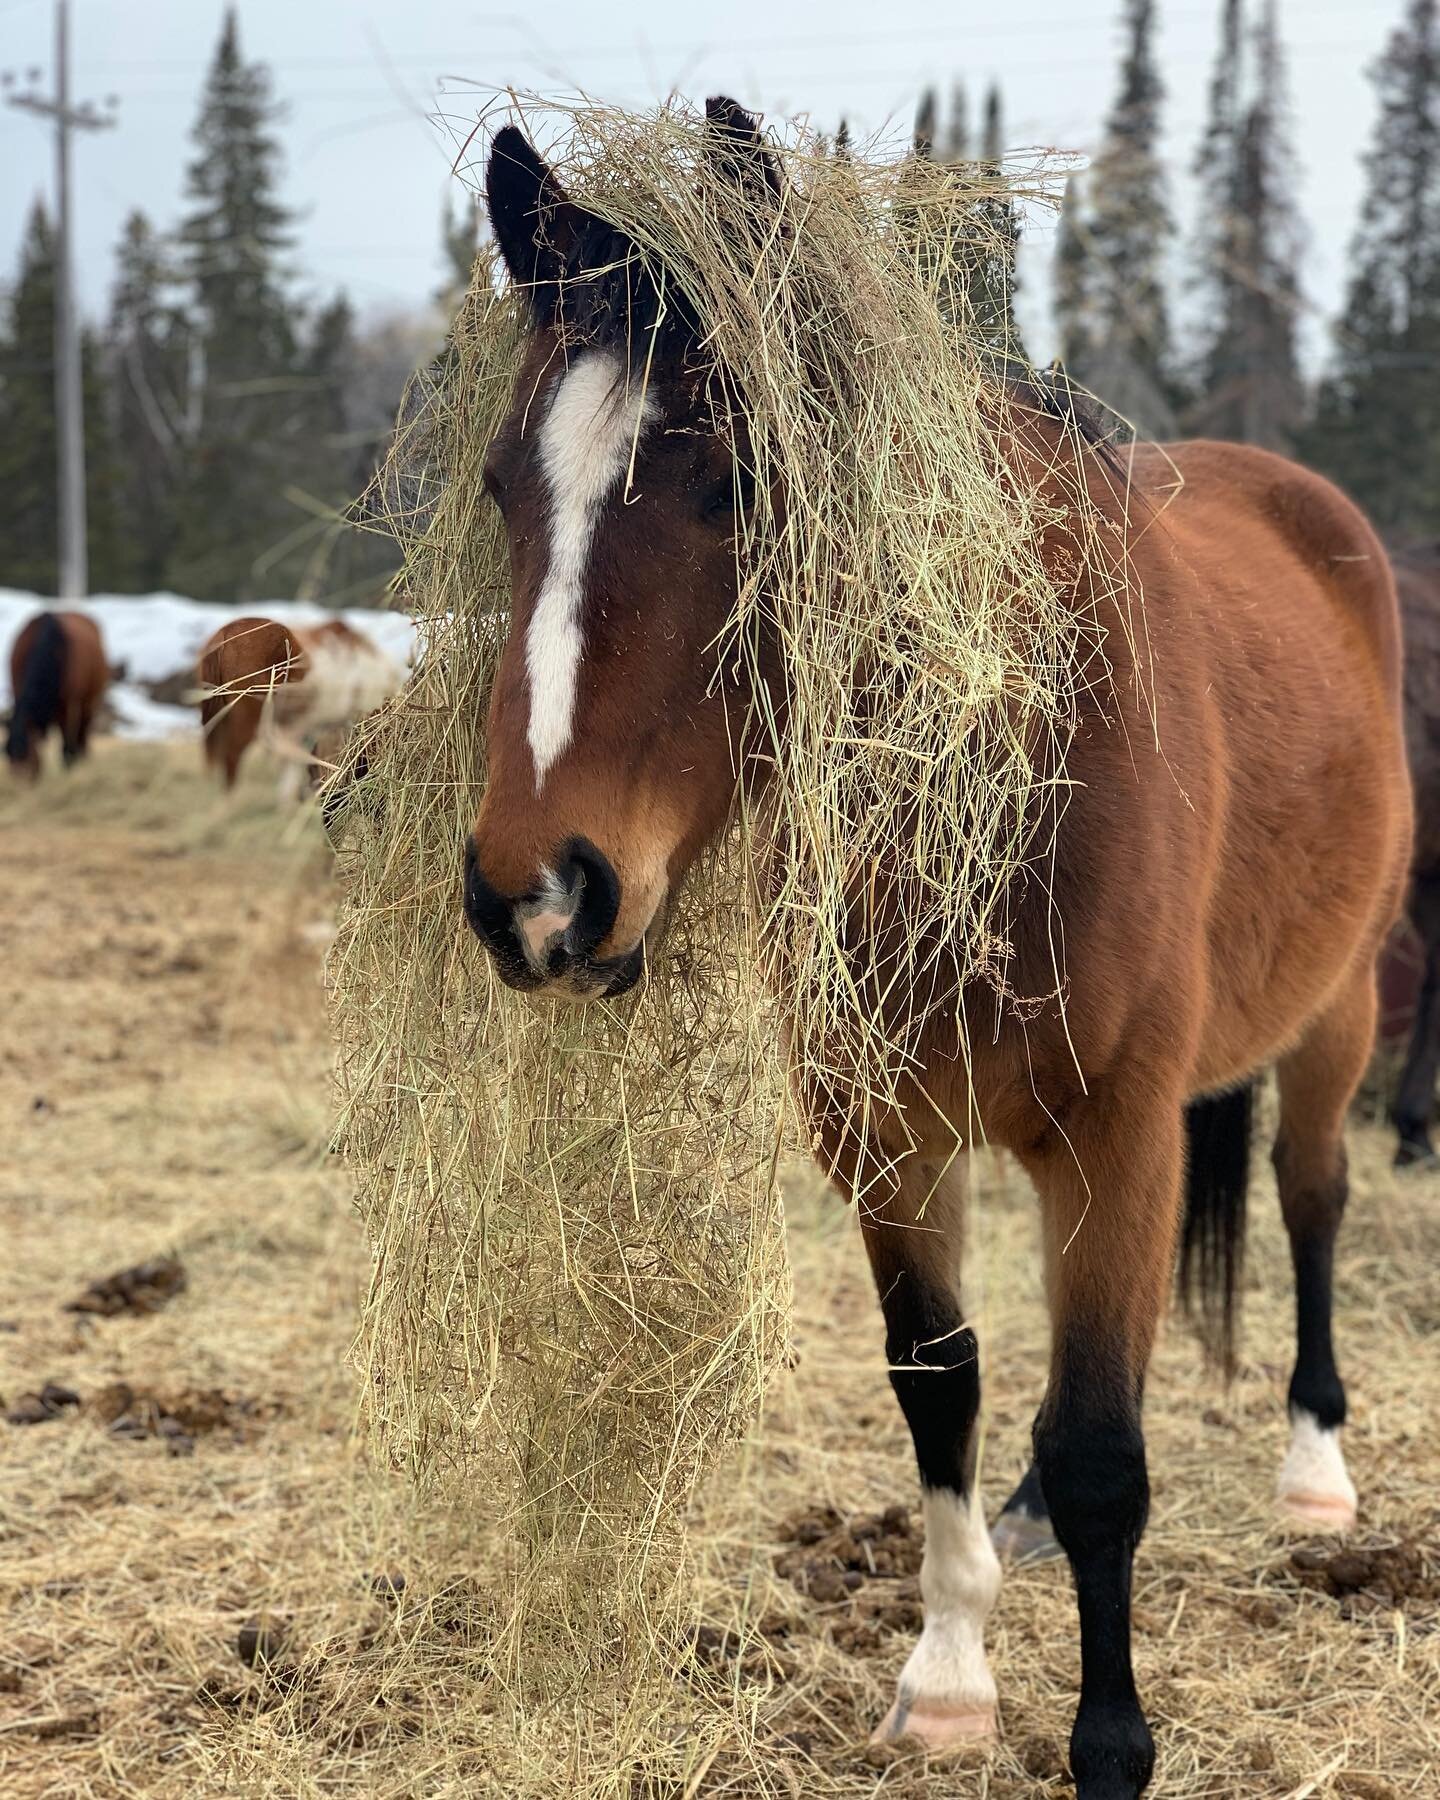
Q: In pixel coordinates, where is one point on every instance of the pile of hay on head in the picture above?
(579, 1279)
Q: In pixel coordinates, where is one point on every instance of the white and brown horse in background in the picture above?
(288, 686)
(1223, 892)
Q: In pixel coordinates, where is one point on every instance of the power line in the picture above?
(74, 582)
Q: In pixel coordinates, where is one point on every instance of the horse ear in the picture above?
(534, 221)
(738, 150)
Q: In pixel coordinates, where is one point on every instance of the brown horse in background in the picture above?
(291, 683)
(58, 677)
(1226, 870)
(1417, 577)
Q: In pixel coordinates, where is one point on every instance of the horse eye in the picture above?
(495, 488)
(731, 495)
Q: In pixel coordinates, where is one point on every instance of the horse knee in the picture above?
(1092, 1473)
(935, 1374)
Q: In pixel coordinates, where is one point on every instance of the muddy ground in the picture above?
(205, 1589)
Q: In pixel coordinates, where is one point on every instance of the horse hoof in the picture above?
(936, 1724)
(1417, 1159)
(1318, 1512)
(1019, 1537)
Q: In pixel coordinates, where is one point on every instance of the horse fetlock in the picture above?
(1315, 1489)
(1112, 1754)
(946, 1691)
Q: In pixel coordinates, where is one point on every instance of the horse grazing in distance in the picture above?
(1224, 875)
(58, 677)
(287, 685)
(1417, 578)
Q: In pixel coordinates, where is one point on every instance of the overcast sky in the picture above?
(368, 165)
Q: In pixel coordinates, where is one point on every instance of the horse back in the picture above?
(1237, 833)
(243, 657)
(1260, 522)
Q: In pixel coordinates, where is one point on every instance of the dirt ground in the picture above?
(205, 1589)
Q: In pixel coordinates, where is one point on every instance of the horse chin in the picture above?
(610, 977)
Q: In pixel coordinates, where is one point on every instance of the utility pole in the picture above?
(74, 581)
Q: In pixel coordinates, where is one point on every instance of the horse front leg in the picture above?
(911, 1219)
(1109, 1188)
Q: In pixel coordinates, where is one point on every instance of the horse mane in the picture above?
(38, 697)
(1052, 393)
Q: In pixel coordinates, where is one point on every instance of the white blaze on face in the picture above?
(586, 442)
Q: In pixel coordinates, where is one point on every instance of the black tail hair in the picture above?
(38, 700)
(1212, 1249)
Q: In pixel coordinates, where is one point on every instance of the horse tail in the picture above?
(1212, 1247)
(39, 697)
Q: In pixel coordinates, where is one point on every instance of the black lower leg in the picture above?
(935, 1372)
(1090, 1456)
(1312, 1219)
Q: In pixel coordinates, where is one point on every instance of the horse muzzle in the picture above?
(547, 940)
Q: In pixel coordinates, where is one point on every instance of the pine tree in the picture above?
(1377, 425)
(459, 242)
(1247, 380)
(925, 125)
(149, 363)
(992, 291)
(1215, 167)
(29, 444)
(1074, 300)
(957, 136)
(1127, 238)
(250, 437)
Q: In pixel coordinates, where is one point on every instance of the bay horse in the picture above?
(289, 685)
(58, 677)
(1225, 872)
(1417, 577)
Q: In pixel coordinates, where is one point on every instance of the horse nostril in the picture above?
(491, 917)
(583, 867)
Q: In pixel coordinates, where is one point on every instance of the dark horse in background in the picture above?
(58, 676)
(1225, 873)
(1417, 579)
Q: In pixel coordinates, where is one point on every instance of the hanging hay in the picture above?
(579, 1282)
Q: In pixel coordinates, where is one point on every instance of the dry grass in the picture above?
(170, 1015)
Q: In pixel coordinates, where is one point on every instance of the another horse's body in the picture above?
(289, 684)
(1234, 849)
(58, 677)
(1417, 575)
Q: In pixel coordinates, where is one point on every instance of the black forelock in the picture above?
(611, 298)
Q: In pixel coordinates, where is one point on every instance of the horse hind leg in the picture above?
(1415, 1094)
(946, 1693)
(1317, 1081)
